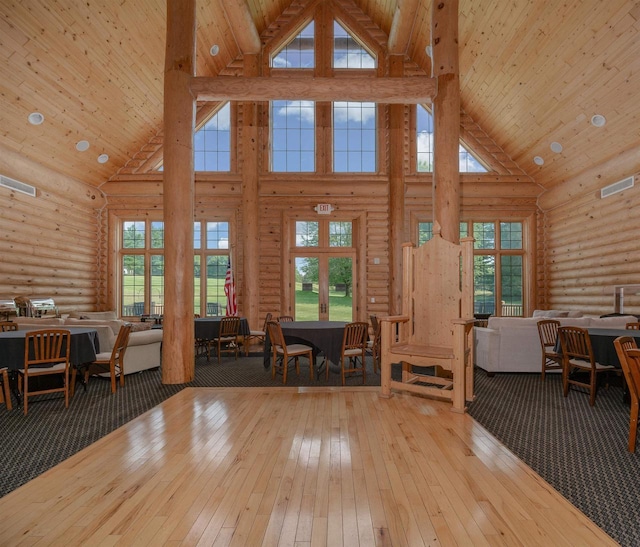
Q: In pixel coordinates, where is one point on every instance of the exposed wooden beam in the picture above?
(402, 26)
(410, 90)
(242, 24)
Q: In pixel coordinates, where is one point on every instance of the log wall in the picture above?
(50, 244)
(588, 245)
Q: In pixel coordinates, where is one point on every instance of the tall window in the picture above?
(354, 137)
(142, 279)
(299, 52)
(212, 143)
(499, 254)
(293, 136)
(424, 144)
(348, 52)
(142, 273)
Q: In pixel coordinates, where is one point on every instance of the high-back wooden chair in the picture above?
(548, 332)
(228, 336)
(285, 319)
(577, 355)
(257, 335)
(46, 353)
(108, 361)
(436, 324)
(629, 357)
(282, 353)
(354, 350)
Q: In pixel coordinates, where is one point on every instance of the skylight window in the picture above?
(348, 52)
(468, 163)
(297, 53)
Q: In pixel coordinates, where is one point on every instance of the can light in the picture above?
(36, 118)
(103, 158)
(538, 160)
(598, 120)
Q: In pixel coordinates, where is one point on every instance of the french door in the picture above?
(323, 278)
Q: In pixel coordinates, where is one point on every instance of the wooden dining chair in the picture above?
(228, 337)
(282, 353)
(633, 326)
(285, 319)
(373, 345)
(629, 357)
(548, 332)
(6, 326)
(257, 335)
(577, 356)
(108, 361)
(46, 353)
(5, 394)
(354, 348)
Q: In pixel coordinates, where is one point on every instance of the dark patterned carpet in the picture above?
(581, 451)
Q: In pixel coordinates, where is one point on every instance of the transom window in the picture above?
(293, 136)
(499, 254)
(348, 52)
(468, 163)
(354, 137)
(212, 143)
(299, 52)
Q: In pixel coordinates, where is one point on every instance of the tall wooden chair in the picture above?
(46, 353)
(354, 350)
(436, 325)
(577, 356)
(228, 337)
(5, 394)
(285, 319)
(629, 357)
(548, 332)
(108, 361)
(281, 353)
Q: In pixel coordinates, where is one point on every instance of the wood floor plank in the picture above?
(299, 467)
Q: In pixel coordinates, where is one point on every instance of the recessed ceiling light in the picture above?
(35, 118)
(103, 158)
(81, 146)
(215, 49)
(556, 147)
(598, 120)
(538, 160)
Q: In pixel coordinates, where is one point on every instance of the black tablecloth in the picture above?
(84, 346)
(604, 351)
(324, 336)
(207, 328)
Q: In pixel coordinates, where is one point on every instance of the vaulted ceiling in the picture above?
(532, 73)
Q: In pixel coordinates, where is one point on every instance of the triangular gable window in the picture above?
(299, 52)
(468, 162)
(349, 52)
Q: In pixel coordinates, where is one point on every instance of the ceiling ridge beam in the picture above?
(242, 25)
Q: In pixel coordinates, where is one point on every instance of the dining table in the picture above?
(208, 328)
(604, 352)
(325, 337)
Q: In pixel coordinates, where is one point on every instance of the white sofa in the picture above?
(143, 351)
(512, 344)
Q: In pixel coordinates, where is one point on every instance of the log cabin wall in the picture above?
(588, 245)
(51, 244)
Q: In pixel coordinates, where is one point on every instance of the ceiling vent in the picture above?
(616, 187)
(18, 186)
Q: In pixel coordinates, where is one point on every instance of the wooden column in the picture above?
(250, 208)
(446, 118)
(179, 122)
(396, 191)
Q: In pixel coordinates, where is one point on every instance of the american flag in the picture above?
(230, 291)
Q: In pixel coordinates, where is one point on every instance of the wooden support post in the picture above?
(396, 191)
(250, 207)
(178, 365)
(446, 118)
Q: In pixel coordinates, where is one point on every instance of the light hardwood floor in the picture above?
(289, 466)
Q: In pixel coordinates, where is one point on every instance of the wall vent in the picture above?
(616, 187)
(18, 186)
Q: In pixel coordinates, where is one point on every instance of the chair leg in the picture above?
(5, 387)
(25, 397)
(66, 388)
(72, 387)
(565, 380)
(112, 373)
(285, 366)
(594, 385)
(633, 425)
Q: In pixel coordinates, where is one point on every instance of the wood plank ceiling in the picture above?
(531, 73)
